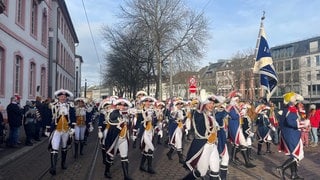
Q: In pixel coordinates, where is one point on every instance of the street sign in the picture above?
(192, 89)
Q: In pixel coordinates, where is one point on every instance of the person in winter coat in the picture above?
(15, 114)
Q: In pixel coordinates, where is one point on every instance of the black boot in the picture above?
(82, 143)
(159, 139)
(249, 151)
(259, 149)
(181, 160)
(125, 167)
(195, 174)
(234, 158)
(142, 162)
(248, 164)
(281, 169)
(103, 152)
(294, 170)
(76, 145)
(223, 172)
(214, 175)
(63, 158)
(268, 148)
(150, 169)
(54, 159)
(169, 154)
(107, 173)
(134, 144)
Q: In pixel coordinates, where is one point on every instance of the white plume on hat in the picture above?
(81, 99)
(144, 98)
(122, 101)
(63, 92)
(141, 93)
(104, 103)
(312, 106)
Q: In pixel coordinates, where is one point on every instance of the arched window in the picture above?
(32, 79)
(43, 82)
(17, 86)
(34, 18)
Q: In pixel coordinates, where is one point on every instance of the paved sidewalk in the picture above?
(8, 154)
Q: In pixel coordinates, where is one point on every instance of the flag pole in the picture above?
(258, 39)
(256, 70)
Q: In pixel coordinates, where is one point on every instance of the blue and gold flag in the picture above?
(264, 66)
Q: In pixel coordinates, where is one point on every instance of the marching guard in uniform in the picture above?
(263, 128)
(62, 127)
(83, 119)
(136, 123)
(176, 130)
(235, 130)
(221, 116)
(105, 108)
(117, 138)
(203, 153)
(149, 121)
(290, 142)
(248, 113)
(160, 112)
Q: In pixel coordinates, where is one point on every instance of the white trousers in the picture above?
(59, 137)
(147, 139)
(209, 159)
(79, 132)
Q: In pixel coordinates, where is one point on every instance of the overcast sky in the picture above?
(234, 26)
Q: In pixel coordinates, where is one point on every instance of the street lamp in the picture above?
(85, 88)
(50, 63)
(310, 96)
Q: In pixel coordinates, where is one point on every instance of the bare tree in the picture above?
(126, 66)
(171, 29)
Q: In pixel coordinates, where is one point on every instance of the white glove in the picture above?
(186, 131)
(251, 134)
(71, 131)
(100, 134)
(47, 132)
(90, 128)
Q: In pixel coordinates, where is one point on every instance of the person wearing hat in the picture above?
(149, 120)
(264, 128)
(61, 127)
(83, 120)
(203, 152)
(314, 117)
(235, 130)
(221, 116)
(136, 123)
(160, 112)
(306, 130)
(117, 138)
(176, 129)
(248, 113)
(105, 108)
(290, 142)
